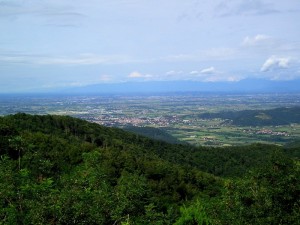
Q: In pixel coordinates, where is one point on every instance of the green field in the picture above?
(180, 115)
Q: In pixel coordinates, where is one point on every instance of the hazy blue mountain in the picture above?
(248, 86)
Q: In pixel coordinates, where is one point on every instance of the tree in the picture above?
(269, 195)
(130, 195)
(17, 144)
(195, 214)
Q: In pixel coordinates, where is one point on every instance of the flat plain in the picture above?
(178, 114)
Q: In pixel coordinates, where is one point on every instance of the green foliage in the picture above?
(61, 170)
(130, 195)
(195, 214)
(23, 200)
(274, 117)
(269, 195)
(154, 133)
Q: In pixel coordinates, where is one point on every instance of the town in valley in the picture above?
(177, 114)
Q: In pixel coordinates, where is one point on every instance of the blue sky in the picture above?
(48, 44)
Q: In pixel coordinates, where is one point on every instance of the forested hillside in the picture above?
(274, 117)
(154, 133)
(62, 170)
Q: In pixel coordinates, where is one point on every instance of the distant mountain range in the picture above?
(244, 86)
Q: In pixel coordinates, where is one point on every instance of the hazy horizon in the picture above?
(57, 45)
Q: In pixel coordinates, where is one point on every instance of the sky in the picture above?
(46, 44)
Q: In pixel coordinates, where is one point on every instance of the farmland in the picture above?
(178, 114)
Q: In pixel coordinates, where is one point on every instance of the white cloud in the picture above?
(136, 74)
(281, 68)
(210, 70)
(258, 39)
(211, 74)
(82, 59)
(274, 63)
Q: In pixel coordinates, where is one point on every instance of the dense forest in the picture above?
(154, 133)
(270, 117)
(63, 170)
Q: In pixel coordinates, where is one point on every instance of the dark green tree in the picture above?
(17, 144)
(269, 195)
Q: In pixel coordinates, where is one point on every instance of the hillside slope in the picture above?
(228, 162)
(154, 133)
(62, 170)
(273, 117)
